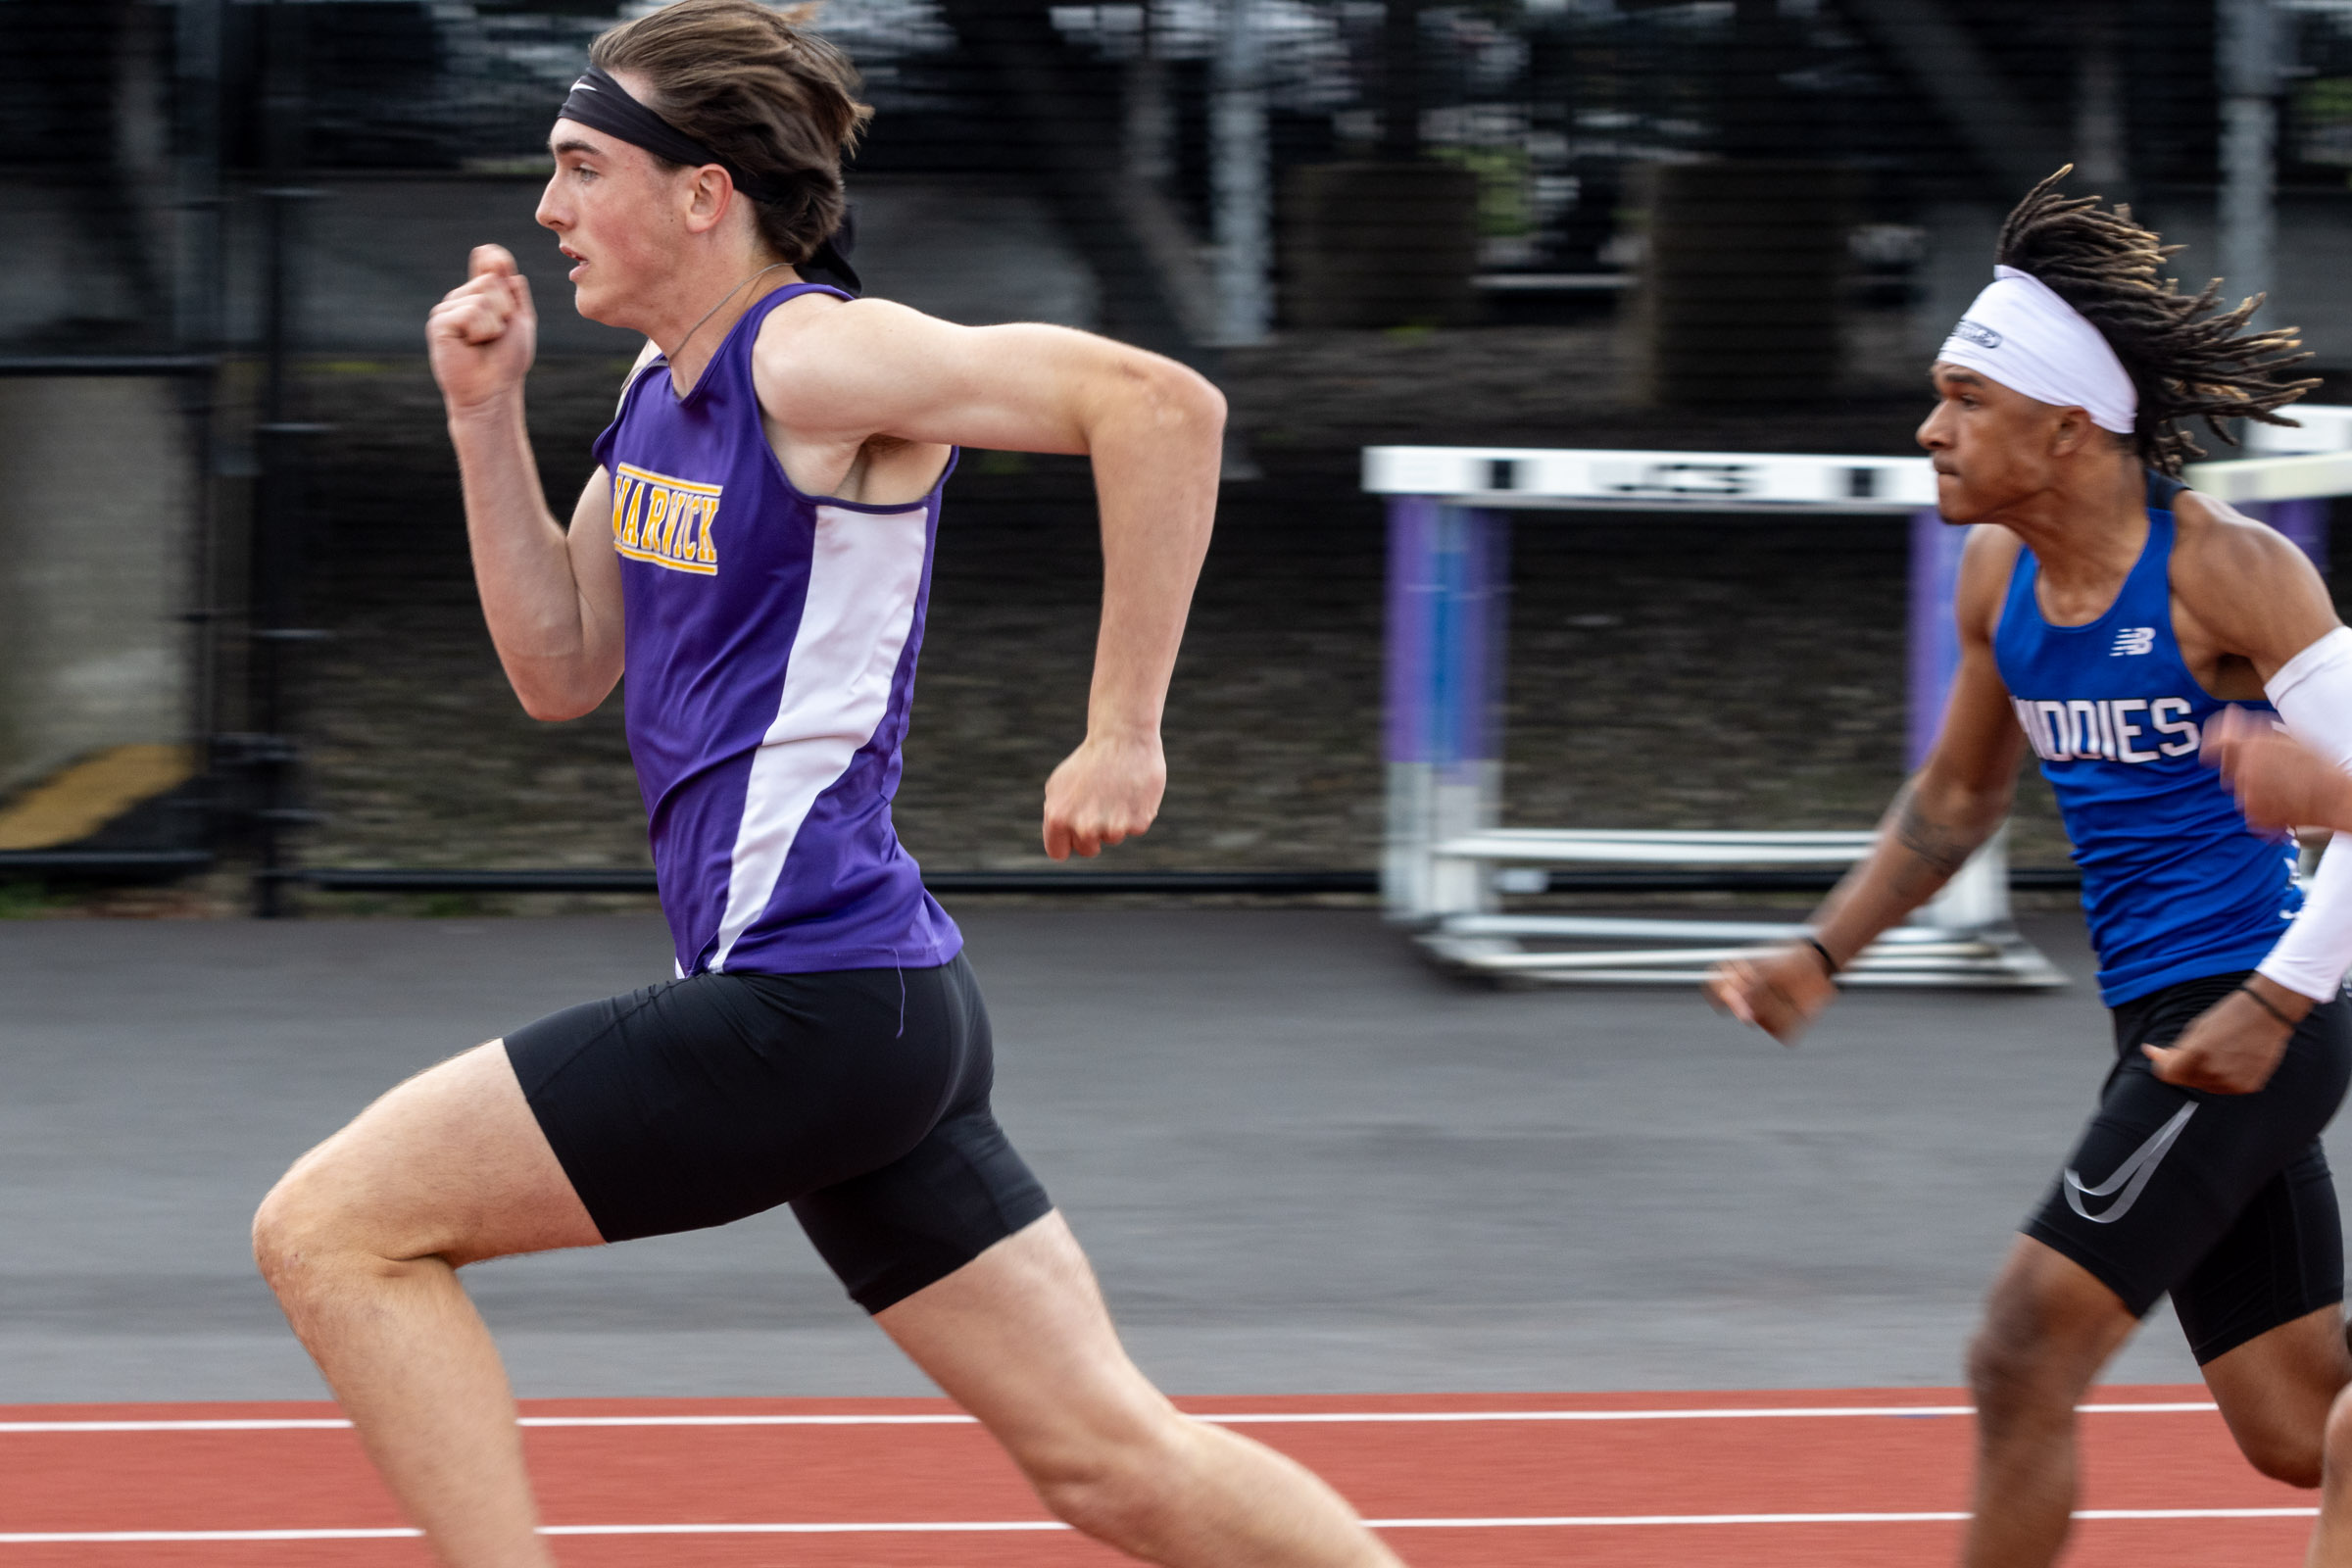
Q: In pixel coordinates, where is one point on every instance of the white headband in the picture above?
(2023, 335)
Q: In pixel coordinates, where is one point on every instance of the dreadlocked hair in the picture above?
(2187, 358)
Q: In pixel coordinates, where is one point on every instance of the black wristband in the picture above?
(2265, 1005)
(1827, 962)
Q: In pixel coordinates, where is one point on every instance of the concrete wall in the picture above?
(96, 480)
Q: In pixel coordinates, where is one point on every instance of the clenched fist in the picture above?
(483, 333)
(2233, 1046)
(1106, 791)
(1781, 990)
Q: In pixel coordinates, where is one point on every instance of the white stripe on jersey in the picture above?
(863, 574)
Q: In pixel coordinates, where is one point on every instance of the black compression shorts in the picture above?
(2223, 1200)
(860, 1097)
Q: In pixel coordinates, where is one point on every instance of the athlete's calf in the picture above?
(1020, 1337)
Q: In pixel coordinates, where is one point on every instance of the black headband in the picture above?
(598, 101)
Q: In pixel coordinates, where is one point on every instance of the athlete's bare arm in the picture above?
(2242, 588)
(551, 597)
(863, 397)
(2244, 598)
(2244, 602)
(1946, 812)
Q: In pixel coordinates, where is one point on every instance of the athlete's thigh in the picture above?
(451, 1163)
(2274, 1390)
(2162, 1175)
(1020, 1337)
(2282, 1258)
(2281, 1262)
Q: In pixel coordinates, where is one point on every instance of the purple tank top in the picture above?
(770, 640)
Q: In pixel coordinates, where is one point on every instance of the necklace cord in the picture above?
(715, 309)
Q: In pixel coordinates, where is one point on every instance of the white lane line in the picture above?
(145, 1537)
(1603, 1521)
(1241, 1418)
(323, 1424)
(1004, 1526)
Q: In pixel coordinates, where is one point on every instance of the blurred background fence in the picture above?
(236, 603)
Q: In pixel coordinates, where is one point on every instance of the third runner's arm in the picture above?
(1941, 817)
(1156, 432)
(551, 597)
(2280, 783)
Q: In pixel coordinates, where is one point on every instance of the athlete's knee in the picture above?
(2279, 1438)
(1118, 1482)
(2291, 1456)
(2003, 1373)
(2048, 1327)
(305, 1231)
(290, 1229)
(2020, 1363)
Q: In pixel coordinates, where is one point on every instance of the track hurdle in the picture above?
(1448, 858)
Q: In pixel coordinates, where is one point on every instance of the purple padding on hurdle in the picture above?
(2305, 522)
(1935, 649)
(1447, 594)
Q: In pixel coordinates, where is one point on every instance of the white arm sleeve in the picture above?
(2313, 692)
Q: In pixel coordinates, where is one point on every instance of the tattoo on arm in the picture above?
(1944, 849)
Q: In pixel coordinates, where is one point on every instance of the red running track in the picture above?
(1850, 1477)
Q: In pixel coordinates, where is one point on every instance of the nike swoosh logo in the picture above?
(2131, 1176)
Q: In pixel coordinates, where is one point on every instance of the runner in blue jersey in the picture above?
(754, 546)
(2105, 612)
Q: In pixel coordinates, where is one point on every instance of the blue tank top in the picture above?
(771, 639)
(2175, 884)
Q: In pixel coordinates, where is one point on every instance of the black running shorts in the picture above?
(860, 1097)
(2225, 1200)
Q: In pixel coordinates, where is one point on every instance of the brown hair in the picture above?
(770, 98)
(2187, 357)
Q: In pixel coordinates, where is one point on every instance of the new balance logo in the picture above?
(2132, 640)
(2132, 1177)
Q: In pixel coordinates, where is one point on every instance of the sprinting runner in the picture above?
(756, 547)
(2104, 613)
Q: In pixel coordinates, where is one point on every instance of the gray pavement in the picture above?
(1302, 1162)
